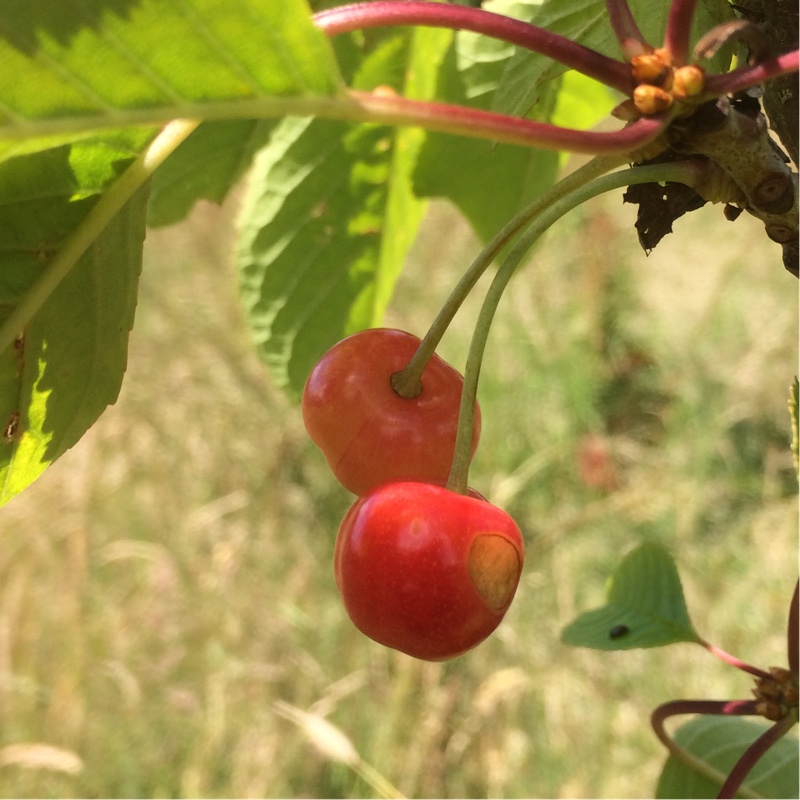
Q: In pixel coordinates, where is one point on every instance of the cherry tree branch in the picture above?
(388, 13)
(679, 28)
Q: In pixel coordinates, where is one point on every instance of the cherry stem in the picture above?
(407, 381)
(626, 30)
(717, 707)
(741, 769)
(792, 637)
(745, 77)
(679, 29)
(585, 183)
(733, 661)
(388, 13)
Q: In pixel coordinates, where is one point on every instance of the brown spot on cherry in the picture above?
(494, 569)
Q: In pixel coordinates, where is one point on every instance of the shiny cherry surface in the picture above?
(367, 431)
(425, 570)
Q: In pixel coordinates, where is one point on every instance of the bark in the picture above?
(781, 95)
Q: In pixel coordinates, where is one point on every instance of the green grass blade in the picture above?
(794, 413)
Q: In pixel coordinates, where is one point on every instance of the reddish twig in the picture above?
(388, 13)
(679, 707)
(679, 29)
(745, 77)
(626, 30)
(751, 756)
(675, 708)
(735, 662)
(396, 110)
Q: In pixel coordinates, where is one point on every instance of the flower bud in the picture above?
(651, 99)
(652, 70)
(688, 81)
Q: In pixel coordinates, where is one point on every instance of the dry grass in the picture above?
(168, 582)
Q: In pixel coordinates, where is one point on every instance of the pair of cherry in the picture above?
(421, 568)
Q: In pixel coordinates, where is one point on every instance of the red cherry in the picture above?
(425, 570)
(367, 431)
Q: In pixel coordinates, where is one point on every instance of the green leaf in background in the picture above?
(217, 155)
(581, 103)
(488, 182)
(67, 365)
(719, 742)
(329, 216)
(645, 607)
(207, 165)
(74, 352)
(73, 66)
(586, 22)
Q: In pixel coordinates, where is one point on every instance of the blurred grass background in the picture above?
(166, 588)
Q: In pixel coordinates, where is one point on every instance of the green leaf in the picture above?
(586, 22)
(217, 155)
(207, 165)
(328, 218)
(488, 182)
(581, 102)
(719, 742)
(73, 66)
(67, 366)
(645, 607)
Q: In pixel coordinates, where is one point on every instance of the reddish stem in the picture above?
(626, 30)
(751, 756)
(679, 29)
(677, 707)
(735, 662)
(445, 118)
(794, 623)
(387, 13)
(745, 77)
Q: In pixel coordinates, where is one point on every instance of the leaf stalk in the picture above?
(630, 38)
(718, 707)
(746, 77)
(389, 13)
(679, 29)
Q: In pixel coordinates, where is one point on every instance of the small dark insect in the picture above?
(618, 631)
